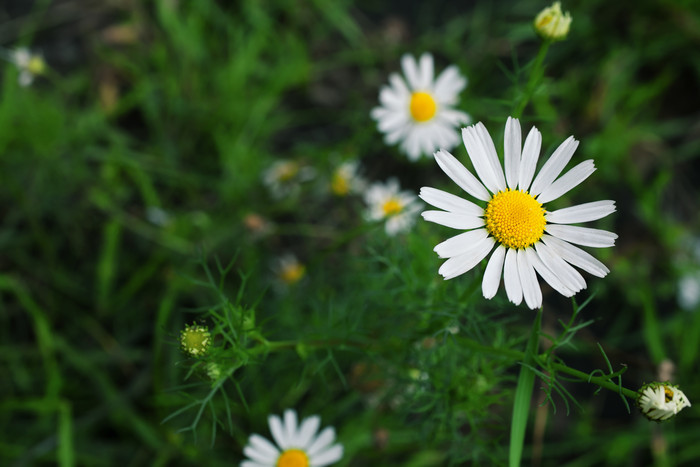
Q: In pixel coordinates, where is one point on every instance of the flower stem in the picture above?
(603, 382)
(536, 74)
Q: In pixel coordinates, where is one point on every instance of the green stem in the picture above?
(523, 395)
(536, 74)
(603, 382)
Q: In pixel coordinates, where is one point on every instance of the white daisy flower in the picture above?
(418, 111)
(346, 179)
(386, 201)
(527, 237)
(29, 65)
(284, 177)
(288, 269)
(297, 446)
(661, 401)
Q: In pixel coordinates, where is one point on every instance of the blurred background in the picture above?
(136, 157)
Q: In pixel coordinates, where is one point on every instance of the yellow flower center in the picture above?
(36, 65)
(292, 273)
(668, 394)
(340, 185)
(287, 171)
(423, 106)
(293, 458)
(515, 218)
(391, 207)
(195, 339)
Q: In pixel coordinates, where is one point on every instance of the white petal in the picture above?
(426, 69)
(263, 446)
(449, 202)
(576, 256)
(528, 279)
(453, 118)
(392, 122)
(511, 148)
(479, 147)
(528, 164)
(448, 85)
(553, 167)
(392, 100)
(511, 278)
(411, 145)
(582, 235)
(494, 270)
(290, 426)
(547, 274)
(569, 276)
(325, 438)
(453, 220)
(458, 265)
(327, 457)
(410, 70)
(400, 89)
(308, 429)
(582, 212)
(262, 457)
(247, 463)
(460, 244)
(461, 176)
(567, 181)
(278, 431)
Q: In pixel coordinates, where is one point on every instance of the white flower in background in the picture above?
(284, 178)
(387, 201)
(288, 269)
(347, 180)
(527, 237)
(418, 111)
(29, 65)
(552, 24)
(689, 290)
(297, 446)
(661, 401)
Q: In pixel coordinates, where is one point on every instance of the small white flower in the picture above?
(284, 177)
(386, 201)
(347, 180)
(288, 269)
(418, 111)
(661, 401)
(527, 237)
(29, 65)
(297, 446)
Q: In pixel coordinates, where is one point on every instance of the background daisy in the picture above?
(527, 238)
(297, 445)
(418, 111)
(387, 201)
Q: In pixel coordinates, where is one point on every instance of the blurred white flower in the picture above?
(347, 180)
(661, 401)
(288, 269)
(29, 65)
(283, 178)
(418, 111)
(297, 446)
(387, 201)
(527, 237)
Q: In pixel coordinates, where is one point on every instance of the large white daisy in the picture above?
(297, 446)
(526, 236)
(418, 111)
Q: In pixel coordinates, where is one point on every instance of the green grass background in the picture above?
(181, 106)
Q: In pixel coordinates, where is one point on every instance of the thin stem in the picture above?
(599, 380)
(536, 74)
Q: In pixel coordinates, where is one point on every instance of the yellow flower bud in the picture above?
(552, 24)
